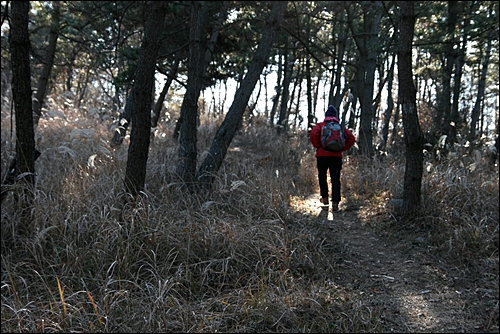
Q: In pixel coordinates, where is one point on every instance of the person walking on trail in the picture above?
(328, 160)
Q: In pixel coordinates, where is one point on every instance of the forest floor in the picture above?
(399, 274)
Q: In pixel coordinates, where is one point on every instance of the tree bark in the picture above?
(355, 98)
(337, 96)
(43, 82)
(395, 129)
(407, 96)
(21, 93)
(311, 118)
(480, 92)
(229, 126)
(390, 107)
(186, 168)
(277, 97)
(367, 46)
(455, 122)
(210, 49)
(140, 100)
(159, 104)
(296, 96)
(282, 125)
(442, 119)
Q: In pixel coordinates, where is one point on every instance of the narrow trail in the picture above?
(413, 290)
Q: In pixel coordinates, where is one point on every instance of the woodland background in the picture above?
(128, 171)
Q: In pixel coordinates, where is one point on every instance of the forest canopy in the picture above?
(323, 49)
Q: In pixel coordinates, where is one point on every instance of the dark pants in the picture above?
(334, 165)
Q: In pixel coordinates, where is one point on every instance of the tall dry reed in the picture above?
(241, 258)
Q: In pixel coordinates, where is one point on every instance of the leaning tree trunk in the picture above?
(43, 82)
(21, 93)
(159, 104)
(229, 126)
(354, 99)
(407, 96)
(135, 174)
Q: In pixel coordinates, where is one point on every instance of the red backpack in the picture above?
(332, 136)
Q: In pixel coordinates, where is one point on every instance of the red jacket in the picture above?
(315, 138)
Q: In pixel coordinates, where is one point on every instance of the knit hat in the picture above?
(331, 112)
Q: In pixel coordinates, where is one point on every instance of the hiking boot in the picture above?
(335, 206)
(324, 200)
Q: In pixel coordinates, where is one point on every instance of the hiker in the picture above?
(329, 160)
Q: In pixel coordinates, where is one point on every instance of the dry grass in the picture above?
(241, 259)
(460, 202)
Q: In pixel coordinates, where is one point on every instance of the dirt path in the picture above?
(414, 290)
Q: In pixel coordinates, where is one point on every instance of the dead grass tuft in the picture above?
(241, 260)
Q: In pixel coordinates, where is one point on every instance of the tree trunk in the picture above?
(367, 46)
(480, 93)
(43, 82)
(316, 93)
(140, 100)
(297, 87)
(277, 97)
(442, 119)
(71, 65)
(82, 88)
(337, 96)
(228, 128)
(395, 128)
(186, 168)
(407, 95)
(455, 122)
(366, 139)
(282, 125)
(355, 98)
(376, 101)
(311, 117)
(21, 93)
(210, 48)
(159, 104)
(390, 106)
(368, 50)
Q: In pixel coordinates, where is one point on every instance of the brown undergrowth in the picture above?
(257, 254)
